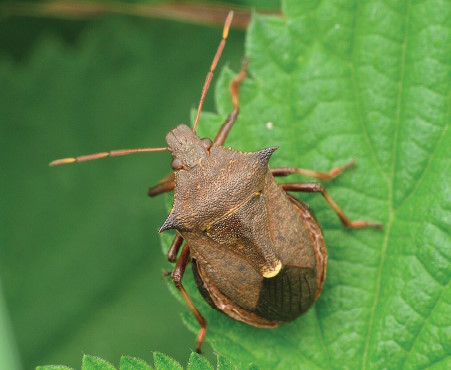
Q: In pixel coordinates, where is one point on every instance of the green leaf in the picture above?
(133, 363)
(225, 364)
(198, 362)
(95, 363)
(164, 362)
(368, 80)
(253, 367)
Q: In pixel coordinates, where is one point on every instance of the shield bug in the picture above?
(257, 253)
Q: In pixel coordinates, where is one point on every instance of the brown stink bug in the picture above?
(258, 253)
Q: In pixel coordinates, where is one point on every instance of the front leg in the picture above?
(224, 130)
(165, 185)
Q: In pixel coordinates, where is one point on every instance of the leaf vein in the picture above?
(423, 325)
(425, 170)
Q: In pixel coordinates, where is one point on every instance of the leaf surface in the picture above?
(365, 80)
(133, 363)
(95, 363)
(161, 361)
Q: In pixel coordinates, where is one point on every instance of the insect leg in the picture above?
(285, 171)
(165, 185)
(223, 132)
(314, 187)
(168, 184)
(177, 276)
(175, 247)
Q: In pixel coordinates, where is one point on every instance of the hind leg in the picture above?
(286, 171)
(314, 187)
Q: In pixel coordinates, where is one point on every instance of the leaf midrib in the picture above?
(391, 185)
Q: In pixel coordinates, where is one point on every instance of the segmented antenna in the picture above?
(114, 153)
(225, 33)
(111, 153)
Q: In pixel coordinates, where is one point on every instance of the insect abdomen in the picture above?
(282, 298)
(288, 295)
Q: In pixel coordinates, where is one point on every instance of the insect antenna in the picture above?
(111, 153)
(225, 33)
(114, 153)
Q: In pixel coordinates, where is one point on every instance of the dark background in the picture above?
(80, 259)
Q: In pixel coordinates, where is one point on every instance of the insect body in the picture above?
(258, 254)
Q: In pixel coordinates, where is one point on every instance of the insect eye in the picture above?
(207, 143)
(176, 164)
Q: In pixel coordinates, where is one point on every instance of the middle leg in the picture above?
(177, 276)
(175, 247)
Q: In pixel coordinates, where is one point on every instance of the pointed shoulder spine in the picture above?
(264, 154)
